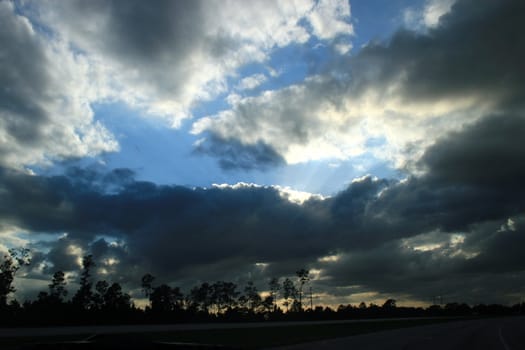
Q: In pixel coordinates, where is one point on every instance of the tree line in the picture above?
(107, 302)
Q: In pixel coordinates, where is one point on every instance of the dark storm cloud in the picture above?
(485, 155)
(395, 270)
(181, 234)
(388, 268)
(473, 175)
(232, 154)
(22, 115)
(476, 50)
(499, 247)
(468, 189)
(60, 257)
(169, 227)
(405, 237)
(487, 267)
(22, 108)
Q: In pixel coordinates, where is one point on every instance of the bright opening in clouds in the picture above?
(378, 144)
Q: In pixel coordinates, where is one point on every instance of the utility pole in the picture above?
(311, 299)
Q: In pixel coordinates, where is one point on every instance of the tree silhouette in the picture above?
(110, 304)
(302, 274)
(268, 303)
(57, 288)
(101, 287)
(166, 299)
(53, 301)
(83, 298)
(389, 304)
(275, 287)
(15, 259)
(289, 292)
(201, 297)
(147, 284)
(224, 295)
(110, 298)
(253, 298)
(7, 275)
(115, 300)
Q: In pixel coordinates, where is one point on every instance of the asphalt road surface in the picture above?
(110, 329)
(490, 334)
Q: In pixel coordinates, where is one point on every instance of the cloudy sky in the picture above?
(377, 143)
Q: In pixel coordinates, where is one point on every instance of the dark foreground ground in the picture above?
(490, 334)
(502, 333)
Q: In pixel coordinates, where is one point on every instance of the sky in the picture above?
(376, 143)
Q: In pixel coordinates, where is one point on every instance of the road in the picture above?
(490, 334)
(498, 334)
(108, 329)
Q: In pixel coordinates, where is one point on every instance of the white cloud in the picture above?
(329, 258)
(412, 18)
(295, 196)
(329, 18)
(325, 120)
(296, 121)
(251, 82)
(408, 93)
(434, 9)
(45, 109)
(10, 237)
(343, 48)
(183, 53)
(238, 185)
(428, 16)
